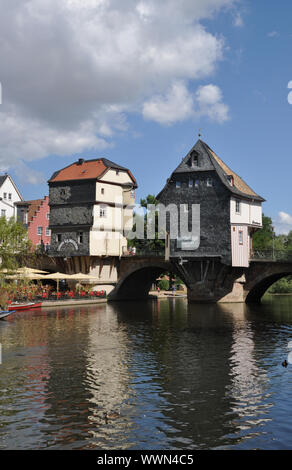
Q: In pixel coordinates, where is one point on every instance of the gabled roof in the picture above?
(209, 161)
(3, 178)
(32, 206)
(88, 169)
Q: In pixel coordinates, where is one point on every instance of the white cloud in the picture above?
(283, 223)
(176, 105)
(179, 104)
(209, 99)
(71, 70)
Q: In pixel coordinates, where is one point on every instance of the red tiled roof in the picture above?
(87, 169)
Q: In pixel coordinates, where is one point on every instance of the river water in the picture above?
(181, 376)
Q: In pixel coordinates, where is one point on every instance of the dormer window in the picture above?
(230, 180)
(178, 184)
(193, 160)
(209, 182)
(191, 183)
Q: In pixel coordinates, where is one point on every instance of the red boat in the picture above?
(26, 306)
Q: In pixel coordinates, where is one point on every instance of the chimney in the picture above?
(80, 161)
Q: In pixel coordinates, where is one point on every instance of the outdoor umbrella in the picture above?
(57, 277)
(25, 270)
(81, 277)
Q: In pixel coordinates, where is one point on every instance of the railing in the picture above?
(272, 255)
(151, 254)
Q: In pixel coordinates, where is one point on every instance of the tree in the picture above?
(263, 238)
(156, 244)
(14, 246)
(14, 243)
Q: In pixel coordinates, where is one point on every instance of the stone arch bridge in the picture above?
(207, 279)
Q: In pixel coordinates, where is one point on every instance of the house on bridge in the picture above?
(230, 211)
(91, 202)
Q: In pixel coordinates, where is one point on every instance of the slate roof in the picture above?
(209, 161)
(88, 169)
(2, 179)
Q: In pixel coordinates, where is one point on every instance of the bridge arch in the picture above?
(136, 279)
(260, 284)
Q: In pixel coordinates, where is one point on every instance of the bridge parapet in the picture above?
(272, 255)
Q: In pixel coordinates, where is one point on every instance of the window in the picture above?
(80, 237)
(102, 190)
(3, 212)
(9, 196)
(240, 237)
(191, 183)
(194, 161)
(133, 194)
(178, 184)
(230, 180)
(40, 230)
(102, 212)
(117, 172)
(5, 195)
(237, 206)
(48, 232)
(196, 183)
(209, 182)
(58, 237)
(48, 215)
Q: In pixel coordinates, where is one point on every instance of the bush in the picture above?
(283, 286)
(163, 284)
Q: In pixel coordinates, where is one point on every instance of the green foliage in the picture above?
(14, 243)
(163, 284)
(156, 244)
(283, 286)
(263, 238)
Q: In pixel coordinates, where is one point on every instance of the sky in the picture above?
(135, 80)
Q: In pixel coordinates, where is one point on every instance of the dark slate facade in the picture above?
(200, 180)
(71, 217)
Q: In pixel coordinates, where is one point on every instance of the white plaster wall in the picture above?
(106, 243)
(7, 204)
(250, 212)
(122, 177)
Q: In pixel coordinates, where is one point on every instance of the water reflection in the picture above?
(181, 376)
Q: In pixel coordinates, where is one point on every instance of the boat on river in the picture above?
(5, 313)
(24, 306)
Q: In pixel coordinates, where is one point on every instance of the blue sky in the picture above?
(136, 83)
